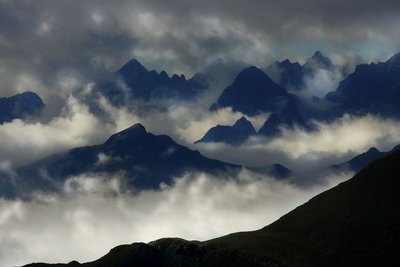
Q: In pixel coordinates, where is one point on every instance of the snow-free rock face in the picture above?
(20, 106)
(234, 135)
(252, 92)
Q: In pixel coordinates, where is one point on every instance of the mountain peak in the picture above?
(317, 54)
(133, 66)
(234, 135)
(252, 70)
(372, 150)
(318, 59)
(20, 106)
(394, 59)
(244, 126)
(29, 96)
(136, 131)
(242, 121)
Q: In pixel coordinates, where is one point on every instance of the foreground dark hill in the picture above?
(20, 106)
(356, 223)
(147, 160)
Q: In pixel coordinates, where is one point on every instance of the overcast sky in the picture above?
(53, 45)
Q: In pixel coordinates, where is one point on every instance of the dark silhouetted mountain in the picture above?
(371, 88)
(252, 92)
(318, 61)
(277, 171)
(148, 160)
(234, 135)
(289, 117)
(353, 224)
(20, 106)
(150, 84)
(271, 126)
(359, 162)
(291, 75)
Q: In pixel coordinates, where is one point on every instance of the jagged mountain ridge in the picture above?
(292, 75)
(371, 89)
(146, 159)
(147, 84)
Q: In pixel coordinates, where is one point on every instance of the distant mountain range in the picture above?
(147, 160)
(144, 84)
(20, 106)
(353, 224)
(292, 75)
(360, 161)
(372, 88)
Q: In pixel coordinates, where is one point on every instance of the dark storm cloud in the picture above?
(51, 46)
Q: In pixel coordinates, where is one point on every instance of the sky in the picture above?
(61, 49)
(51, 46)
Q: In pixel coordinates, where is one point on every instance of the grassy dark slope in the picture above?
(357, 223)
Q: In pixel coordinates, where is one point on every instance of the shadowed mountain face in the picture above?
(277, 171)
(292, 75)
(317, 61)
(146, 159)
(252, 92)
(356, 223)
(373, 88)
(289, 117)
(21, 106)
(234, 135)
(149, 84)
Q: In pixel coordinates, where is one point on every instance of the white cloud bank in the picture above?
(95, 213)
(308, 152)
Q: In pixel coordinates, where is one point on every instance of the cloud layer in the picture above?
(95, 213)
(306, 153)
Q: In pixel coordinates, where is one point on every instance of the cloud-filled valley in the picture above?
(95, 213)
